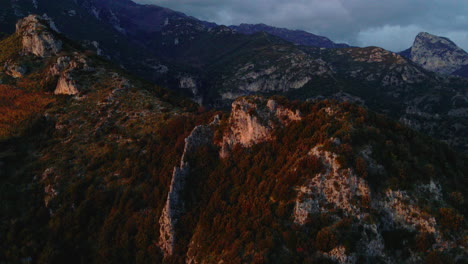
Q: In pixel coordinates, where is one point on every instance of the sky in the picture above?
(391, 24)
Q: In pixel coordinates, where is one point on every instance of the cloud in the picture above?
(391, 24)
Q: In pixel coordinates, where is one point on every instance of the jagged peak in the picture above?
(438, 54)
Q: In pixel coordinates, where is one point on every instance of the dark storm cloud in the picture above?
(391, 24)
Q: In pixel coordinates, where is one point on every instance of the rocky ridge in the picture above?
(175, 206)
(40, 41)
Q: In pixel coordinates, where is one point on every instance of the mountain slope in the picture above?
(437, 54)
(381, 80)
(298, 37)
(107, 168)
(215, 64)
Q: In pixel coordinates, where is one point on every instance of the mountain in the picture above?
(438, 54)
(97, 165)
(298, 37)
(381, 80)
(156, 43)
(215, 64)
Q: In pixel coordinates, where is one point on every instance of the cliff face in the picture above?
(253, 120)
(38, 36)
(175, 206)
(437, 54)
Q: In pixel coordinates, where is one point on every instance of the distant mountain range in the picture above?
(298, 37)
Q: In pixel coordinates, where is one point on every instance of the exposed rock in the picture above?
(252, 121)
(66, 85)
(288, 71)
(187, 82)
(377, 55)
(337, 186)
(175, 207)
(37, 36)
(65, 67)
(62, 63)
(437, 54)
(15, 70)
(338, 254)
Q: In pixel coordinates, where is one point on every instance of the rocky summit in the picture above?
(438, 54)
(222, 147)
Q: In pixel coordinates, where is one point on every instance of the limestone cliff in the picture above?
(437, 54)
(37, 36)
(175, 207)
(253, 120)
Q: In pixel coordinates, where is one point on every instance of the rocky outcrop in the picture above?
(253, 120)
(336, 186)
(14, 70)
(175, 206)
(65, 68)
(437, 54)
(38, 37)
(288, 71)
(66, 85)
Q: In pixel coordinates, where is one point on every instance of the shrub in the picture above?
(449, 219)
(326, 239)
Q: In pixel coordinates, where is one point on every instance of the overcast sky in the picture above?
(391, 24)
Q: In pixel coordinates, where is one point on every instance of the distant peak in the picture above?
(424, 36)
(438, 54)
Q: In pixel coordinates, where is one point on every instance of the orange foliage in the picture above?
(17, 107)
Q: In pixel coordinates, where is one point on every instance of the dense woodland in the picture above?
(109, 202)
(84, 178)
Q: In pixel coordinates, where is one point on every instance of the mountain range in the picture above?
(266, 148)
(215, 64)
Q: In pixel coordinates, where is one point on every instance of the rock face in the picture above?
(175, 207)
(64, 68)
(288, 70)
(437, 54)
(253, 120)
(337, 188)
(38, 36)
(66, 85)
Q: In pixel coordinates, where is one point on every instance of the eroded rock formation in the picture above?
(437, 54)
(175, 206)
(253, 120)
(38, 36)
